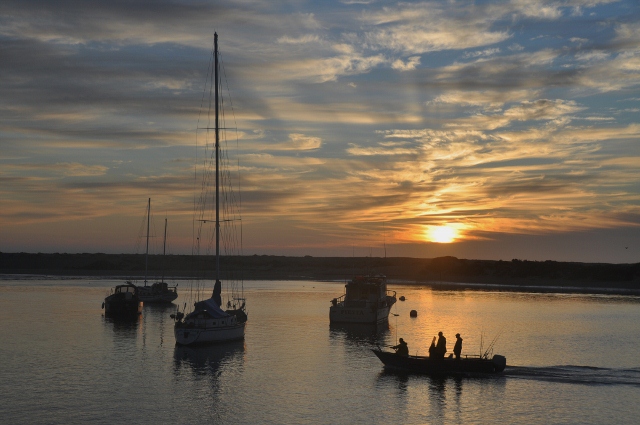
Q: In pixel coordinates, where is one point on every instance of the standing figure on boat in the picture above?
(457, 349)
(432, 348)
(441, 346)
(402, 349)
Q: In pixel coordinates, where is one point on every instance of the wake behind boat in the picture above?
(441, 366)
(208, 323)
(366, 300)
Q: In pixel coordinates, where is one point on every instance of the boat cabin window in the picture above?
(364, 292)
(124, 289)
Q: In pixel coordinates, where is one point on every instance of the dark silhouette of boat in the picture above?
(366, 300)
(123, 302)
(158, 292)
(441, 366)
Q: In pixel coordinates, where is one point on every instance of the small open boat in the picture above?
(446, 366)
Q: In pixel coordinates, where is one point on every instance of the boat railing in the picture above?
(339, 301)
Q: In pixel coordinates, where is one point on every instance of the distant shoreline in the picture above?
(447, 273)
(446, 286)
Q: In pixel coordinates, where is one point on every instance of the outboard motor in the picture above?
(500, 362)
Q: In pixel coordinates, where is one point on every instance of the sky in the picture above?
(478, 129)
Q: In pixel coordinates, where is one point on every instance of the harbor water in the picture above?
(572, 359)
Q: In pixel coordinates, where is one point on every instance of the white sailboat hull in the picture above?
(209, 335)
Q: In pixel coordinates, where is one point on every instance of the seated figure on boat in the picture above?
(402, 349)
(457, 349)
(432, 348)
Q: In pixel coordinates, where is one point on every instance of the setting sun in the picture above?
(441, 234)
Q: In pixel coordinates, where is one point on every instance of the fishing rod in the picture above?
(490, 348)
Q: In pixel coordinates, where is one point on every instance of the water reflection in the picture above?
(123, 327)
(399, 380)
(207, 360)
(359, 332)
(158, 321)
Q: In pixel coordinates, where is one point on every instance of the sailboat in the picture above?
(208, 322)
(158, 292)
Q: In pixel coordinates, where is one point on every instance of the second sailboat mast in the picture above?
(215, 54)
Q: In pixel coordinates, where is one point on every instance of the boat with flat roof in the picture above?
(366, 300)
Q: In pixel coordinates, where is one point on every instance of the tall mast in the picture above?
(215, 54)
(164, 248)
(146, 256)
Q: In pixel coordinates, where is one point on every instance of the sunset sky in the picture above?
(479, 129)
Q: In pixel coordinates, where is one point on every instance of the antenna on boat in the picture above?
(396, 315)
(146, 256)
(384, 239)
(164, 248)
(215, 51)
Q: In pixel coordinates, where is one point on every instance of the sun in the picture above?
(441, 234)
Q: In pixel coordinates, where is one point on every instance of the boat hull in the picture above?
(158, 293)
(158, 299)
(446, 366)
(187, 335)
(165, 298)
(371, 315)
(121, 307)
(366, 300)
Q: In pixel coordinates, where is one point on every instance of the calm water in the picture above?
(573, 359)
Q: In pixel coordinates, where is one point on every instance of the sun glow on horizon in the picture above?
(442, 234)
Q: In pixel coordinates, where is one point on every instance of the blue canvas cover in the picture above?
(212, 308)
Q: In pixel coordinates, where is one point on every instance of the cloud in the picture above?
(409, 65)
(380, 150)
(305, 39)
(296, 142)
(421, 28)
(486, 52)
(541, 109)
(487, 99)
(57, 169)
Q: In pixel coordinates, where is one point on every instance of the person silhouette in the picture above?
(441, 346)
(432, 348)
(402, 349)
(457, 349)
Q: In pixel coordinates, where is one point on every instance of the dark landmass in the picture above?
(449, 272)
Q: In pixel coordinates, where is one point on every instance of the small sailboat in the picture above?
(208, 322)
(158, 292)
(366, 300)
